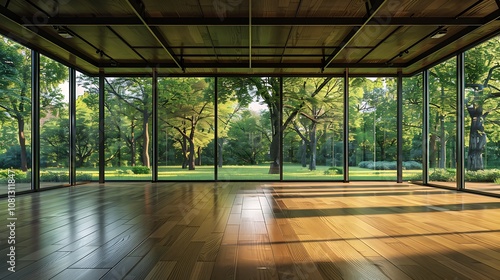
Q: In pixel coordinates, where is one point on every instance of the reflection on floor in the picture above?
(253, 231)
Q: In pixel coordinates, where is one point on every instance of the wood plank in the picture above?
(276, 230)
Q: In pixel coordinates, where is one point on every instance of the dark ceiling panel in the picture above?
(212, 36)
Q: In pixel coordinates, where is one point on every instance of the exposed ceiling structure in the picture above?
(256, 37)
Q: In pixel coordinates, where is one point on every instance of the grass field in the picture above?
(291, 172)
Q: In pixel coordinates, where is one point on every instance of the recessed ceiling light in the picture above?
(439, 34)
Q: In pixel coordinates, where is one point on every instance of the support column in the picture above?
(72, 126)
(460, 121)
(35, 120)
(216, 129)
(425, 127)
(281, 128)
(154, 157)
(400, 127)
(102, 157)
(346, 125)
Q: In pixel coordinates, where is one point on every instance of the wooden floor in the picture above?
(253, 231)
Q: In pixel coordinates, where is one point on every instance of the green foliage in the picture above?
(19, 175)
(12, 158)
(334, 171)
(488, 175)
(141, 170)
(442, 175)
(83, 177)
(58, 177)
(390, 165)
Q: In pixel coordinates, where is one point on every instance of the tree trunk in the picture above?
(477, 139)
(191, 156)
(274, 149)
(432, 151)
(303, 153)
(220, 143)
(313, 142)
(442, 138)
(145, 137)
(22, 144)
(133, 146)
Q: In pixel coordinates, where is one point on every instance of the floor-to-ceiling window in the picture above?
(54, 123)
(412, 128)
(186, 128)
(15, 116)
(482, 117)
(372, 129)
(442, 123)
(313, 128)
(249, 128)
(128, 109)
(87, 128)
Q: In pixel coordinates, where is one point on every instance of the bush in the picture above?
(389, 165)
(442, 175)
(334, 171)
(54, 177)
(489, 175)
(19, 175)
(141, 170)
(82, 177)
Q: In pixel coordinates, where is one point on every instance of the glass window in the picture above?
(54, 123)
(128, 128)
(249, 128)
(412, 128)
(313, 128)
(186, 128)
(15, 115)
(87, 128)
(372, 129)
(482, 117)
(442, 123)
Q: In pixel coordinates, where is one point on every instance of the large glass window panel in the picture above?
(482, 117)
(313, 128)
(54, 123)
(186, 128)
(15, 116)
(412, 128)
(442, 123)
(128, 112)
(87, 128)
(249, 128)
(372, 129)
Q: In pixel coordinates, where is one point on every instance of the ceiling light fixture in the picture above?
(63, 32)
(439, 34)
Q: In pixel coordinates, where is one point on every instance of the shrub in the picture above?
(489, 175)
(334, 171)
(141, 170)
(54, 177)
(389, 165)
(82, 177)
(442, 175)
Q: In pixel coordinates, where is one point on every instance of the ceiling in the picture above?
(249, 37)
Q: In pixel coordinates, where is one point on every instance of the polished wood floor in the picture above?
(253, 231)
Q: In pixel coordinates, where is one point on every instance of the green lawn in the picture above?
(254, 172)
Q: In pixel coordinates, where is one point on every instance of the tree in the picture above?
(15, 87)
(189, 110)
(310, 106)
(136, 94)
(482, 81)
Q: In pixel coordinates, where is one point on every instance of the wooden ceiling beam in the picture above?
(372, 9)
(259, 21)
(139, 9)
